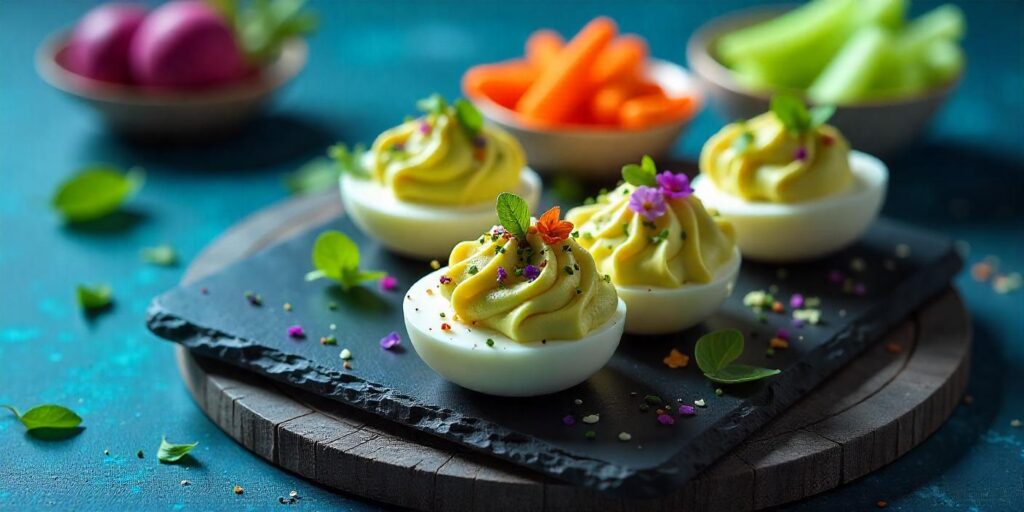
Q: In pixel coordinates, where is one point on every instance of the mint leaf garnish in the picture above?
(349, 160)
(716, 352)
(336, 256)
(794, 115)
(433, 104)
(470, 119)
(319, 174)
(46, 416)
(95, 192)
(513, 214)
(162, 255)
(170, 452)
(643, 175)
(91, 298)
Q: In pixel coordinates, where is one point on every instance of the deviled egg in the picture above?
(790, 184)
(520, 310)
(430, 182)
(670, 261)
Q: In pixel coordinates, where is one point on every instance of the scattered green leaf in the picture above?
(163, 255)
(170, 452)
(95, 192)
(350, 161)
(716, 352)
(336, 256)
(317, 175)
(513, 214)
(91, 298)
(46, 416)
(643, 175)
(470, 119)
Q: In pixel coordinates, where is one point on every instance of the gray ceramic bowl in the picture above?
(148, 113)
(876, 127)
(598, 154)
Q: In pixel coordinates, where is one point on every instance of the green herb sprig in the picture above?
(92, 298)
(336, 256)
(349, 161)
(716, 352)
(317, 175)
(95, 192)
(170, 453)
(513, 214)
(643, 175)
(795, 116)
(262, 26)
(50, 416)
(161, 255)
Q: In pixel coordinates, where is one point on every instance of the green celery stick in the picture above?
(943, 22)
(889, 14)
(944, 59)
(850, 76)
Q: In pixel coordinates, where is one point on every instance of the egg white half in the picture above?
(422, 230)
(786, 232)
(654, 310)
(508, 368)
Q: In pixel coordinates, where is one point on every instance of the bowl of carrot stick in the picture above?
(586, 106)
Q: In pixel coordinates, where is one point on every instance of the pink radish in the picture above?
(100, 44)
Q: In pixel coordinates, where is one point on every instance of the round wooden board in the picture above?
(867, 415)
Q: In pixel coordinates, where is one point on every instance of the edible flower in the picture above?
(676, 359)
(674, 185)
(390, 341)
(531, 272)
(665, 419)
(648, 202)
(551, 229)
(388, 283)
(800, 154)
(502, 275)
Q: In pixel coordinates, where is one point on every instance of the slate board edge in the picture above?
(524, 450)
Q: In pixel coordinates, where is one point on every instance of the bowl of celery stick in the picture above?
(887, 74)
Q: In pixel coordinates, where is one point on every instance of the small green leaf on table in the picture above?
(171, 453)
(50, 416)
(513, 214)
(336, 256)
(95, 192)
(162, 255)
(91, 298)
(716, 353)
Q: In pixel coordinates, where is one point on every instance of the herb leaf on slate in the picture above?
(46, 416)
(643, 175)
(93, 297)
(163, 255)
(716, 352)
(336, 256)
(349, 161)
(95, 192)
(170, 452)
(513, 214)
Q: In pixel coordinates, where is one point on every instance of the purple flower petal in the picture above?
(665, 419)
(648, 202)
(796, 301)
(388, 283)
(531, 272)
(687, 410)
(390, 341)
(800, 154)
(296, 331)
(502, 275)
(674, 185)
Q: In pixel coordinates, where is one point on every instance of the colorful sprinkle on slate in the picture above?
(390, 341)
(591, 419)
(296, 331)
(893, 348)
(687, 410)
(665, 419)
(778, 343)
(811, 316)
(254, 298)
(329, 340)
(287, 307)
(568, 420)
(796, 301)
(388, 283)
(434, 264)
(1015, 423)
(590, 434)
(700, 402)
(345, 354)
(652, 400)
(624, 437)
(676, 359)
(238, 489)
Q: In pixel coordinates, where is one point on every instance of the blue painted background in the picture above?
(370, 61)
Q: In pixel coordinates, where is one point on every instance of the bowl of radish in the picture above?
(887, 75)
(586, 106)
(186, 69)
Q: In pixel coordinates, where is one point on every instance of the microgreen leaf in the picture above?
(513, 214)
(162, 255)
(170, 452)
(263, 26)
(433, 104)
(46, 416)
(95, 192)
(350, 160)
(791, 112)
(643, 175)
(470, 119)
(93, 297)
(319, 174)
(336, 256)
(716, 352)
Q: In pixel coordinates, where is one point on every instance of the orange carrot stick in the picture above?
(565, 84)
(542, 47)
(503, 83)
(608, 100)
(651, 110)
(624, 58)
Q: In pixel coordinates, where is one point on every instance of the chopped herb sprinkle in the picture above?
(490, 342)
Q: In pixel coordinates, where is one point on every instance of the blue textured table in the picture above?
(370, 61)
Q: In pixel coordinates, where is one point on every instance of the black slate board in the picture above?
(220, 323)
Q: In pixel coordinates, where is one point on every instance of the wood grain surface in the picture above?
(865, 416)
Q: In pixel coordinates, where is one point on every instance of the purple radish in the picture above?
(185, 44)
(100, 44)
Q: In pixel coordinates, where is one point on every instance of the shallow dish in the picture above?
(880, 127)
(778, 232)
(596, 153)
(150, 112)
(462, 356)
